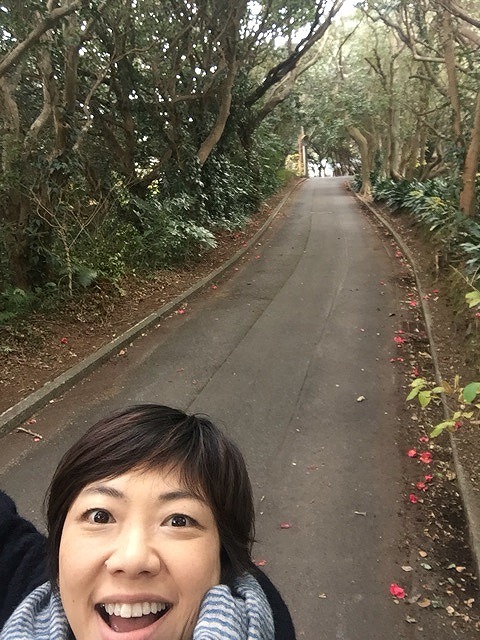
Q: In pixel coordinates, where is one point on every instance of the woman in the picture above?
(150, 523)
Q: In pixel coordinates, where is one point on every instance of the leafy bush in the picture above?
(432, 204)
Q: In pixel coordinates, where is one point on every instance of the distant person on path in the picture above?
(150, 529)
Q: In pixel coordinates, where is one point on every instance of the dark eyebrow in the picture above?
(170, 496)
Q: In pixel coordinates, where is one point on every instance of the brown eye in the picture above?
(99, 516)
(180, 520)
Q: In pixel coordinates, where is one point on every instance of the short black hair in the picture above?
(152, 436)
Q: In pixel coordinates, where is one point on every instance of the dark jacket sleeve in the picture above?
(284, 629)
(23, 558)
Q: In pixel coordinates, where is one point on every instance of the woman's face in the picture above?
(137, 555)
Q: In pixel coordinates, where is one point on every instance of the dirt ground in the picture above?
(440, 582)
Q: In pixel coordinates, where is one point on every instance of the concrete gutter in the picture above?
(16, 415)
(469, 497)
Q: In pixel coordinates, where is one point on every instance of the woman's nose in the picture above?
(133, 554)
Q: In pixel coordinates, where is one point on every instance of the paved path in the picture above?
(279, 354)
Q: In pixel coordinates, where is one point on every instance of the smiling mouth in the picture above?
(123, 618)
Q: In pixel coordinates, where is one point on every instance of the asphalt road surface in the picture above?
(279, 354)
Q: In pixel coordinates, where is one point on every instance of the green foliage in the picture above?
(15, 302)
(465, 398)
(432, 205)
(473, 298)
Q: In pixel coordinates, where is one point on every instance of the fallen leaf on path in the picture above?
(424, 603)
(361, 398)
(407, 568)
(422, 554)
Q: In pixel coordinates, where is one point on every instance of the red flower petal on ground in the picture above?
(400, 359)
(285, 525)
(428, 478)
(457, 425)
(415, 372)
(214, 286)
(181, 311)
(397, 591)
(259, 563)
(423, 439)
(399, 339)
(64, 340)
(477, 315)
(412, 453)
(436, 291)
(412, 303)
(393, 360)
(426, 457)
(421, 486)
(413, 498)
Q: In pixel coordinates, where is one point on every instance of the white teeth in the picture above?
(135, 610)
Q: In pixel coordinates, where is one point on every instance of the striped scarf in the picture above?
(243, 615)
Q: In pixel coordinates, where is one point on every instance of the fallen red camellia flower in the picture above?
(426, 457)
(412, 453)
(397, 591)
(428, 478)
(413, 498)
(421, 486)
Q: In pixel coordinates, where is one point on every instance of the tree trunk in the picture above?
(361, 140)
(467, 196)
(450, 62)
(218, 128)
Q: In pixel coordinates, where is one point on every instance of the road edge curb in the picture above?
(472, 509)
(21, 411)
